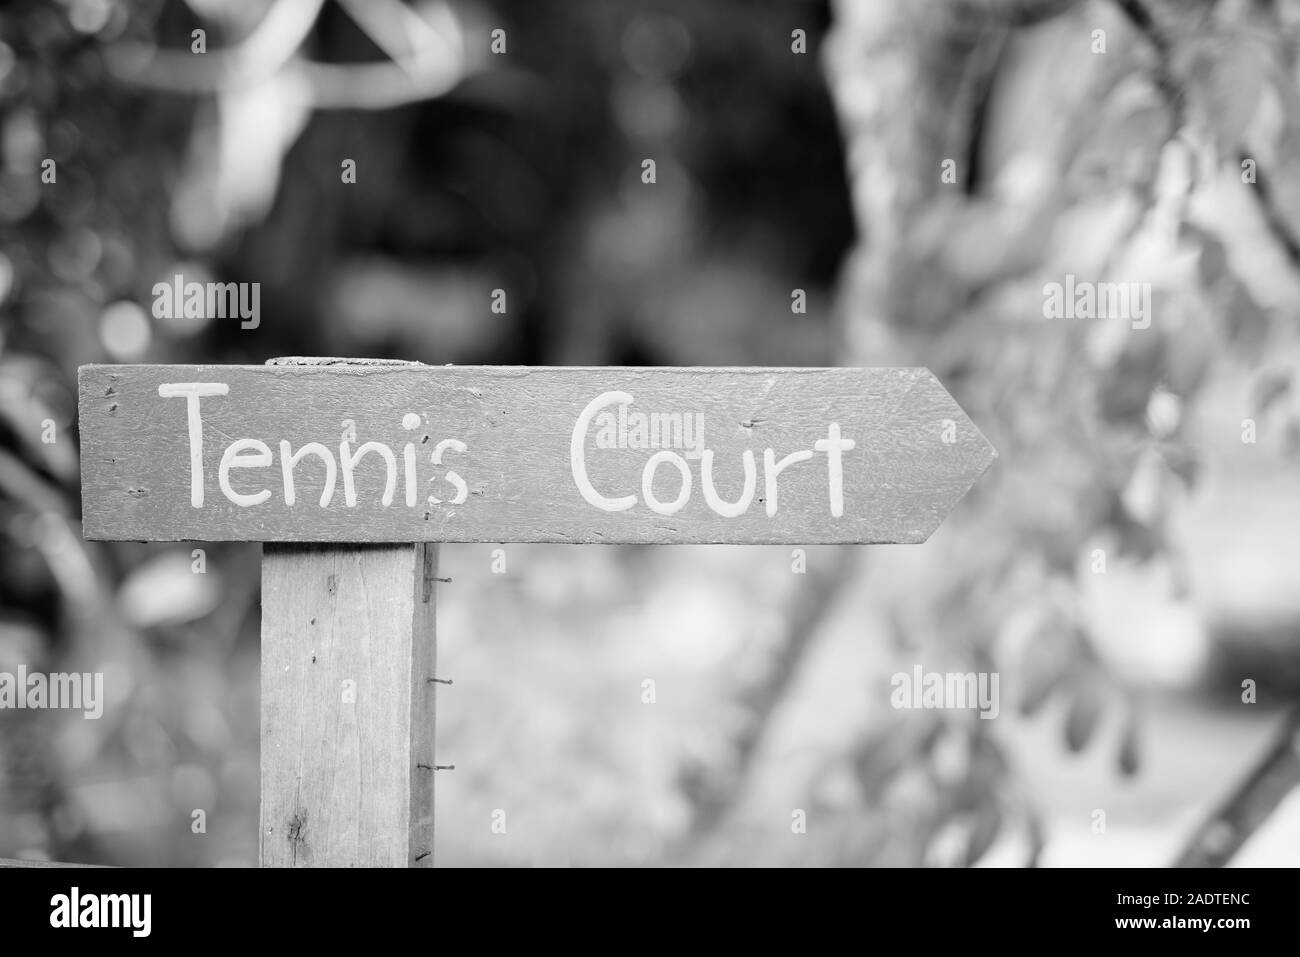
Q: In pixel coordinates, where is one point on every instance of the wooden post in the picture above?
(348, 651)
(349, 648)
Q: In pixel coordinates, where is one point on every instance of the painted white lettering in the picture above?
(193, 391)
(289, 461)
(833, 445)
(348, 461)
(728, 509)
(773, 468)
(648, 478)
(578, 455)
(235, 457)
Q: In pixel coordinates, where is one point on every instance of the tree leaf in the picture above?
(1083, 716)
(1129, 757)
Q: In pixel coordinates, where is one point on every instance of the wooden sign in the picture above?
(378, 461)
(395, 452)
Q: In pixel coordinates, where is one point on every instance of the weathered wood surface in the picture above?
(348, 648)
(19, 862)
(497, 454)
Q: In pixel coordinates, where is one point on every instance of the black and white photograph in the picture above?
(650, 434)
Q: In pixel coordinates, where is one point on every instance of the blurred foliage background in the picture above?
(776, 170)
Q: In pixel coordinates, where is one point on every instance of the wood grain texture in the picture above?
(348, 648)
(18, 862)
(915, 453)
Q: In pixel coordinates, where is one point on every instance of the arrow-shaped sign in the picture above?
(405, 453)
